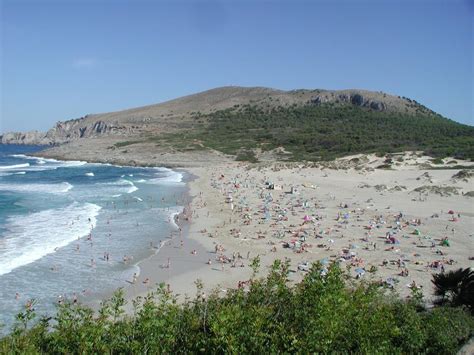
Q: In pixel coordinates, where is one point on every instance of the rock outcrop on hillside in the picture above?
(71, 130)
(89, 128)
(32, 137)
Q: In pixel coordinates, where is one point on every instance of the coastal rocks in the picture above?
(27, 138)
(81, 128)
(67, 131)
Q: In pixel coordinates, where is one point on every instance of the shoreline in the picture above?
(169, 260)
(371, 198)
(192, 267)
(148, 261)
(172, 258)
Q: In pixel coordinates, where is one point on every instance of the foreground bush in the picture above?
(455, 288)
(320, 314)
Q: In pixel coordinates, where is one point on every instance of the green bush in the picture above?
(246, 155)
(320, 132)
(319, 315)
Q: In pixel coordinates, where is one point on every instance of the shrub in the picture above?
(320, 314)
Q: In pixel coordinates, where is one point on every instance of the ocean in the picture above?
(66, 227)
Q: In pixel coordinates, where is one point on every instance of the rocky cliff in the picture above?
(32, 137)
(71, 130)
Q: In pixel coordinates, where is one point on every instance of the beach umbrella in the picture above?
(451, 212)
(360, 270)
(445, 243)
(307, 218)
(324, 261)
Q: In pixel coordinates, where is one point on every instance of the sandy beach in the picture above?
(395, 226)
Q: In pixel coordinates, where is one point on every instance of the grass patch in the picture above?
(125, 143)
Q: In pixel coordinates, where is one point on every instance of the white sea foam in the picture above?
(33, 236)
(23, 156)
(13, 173)
(89, 174)
(174, 211)
(13, 167)
(137, 198)
(123, 183)
(62, 187)
(39, 160)
(170, 177)
(72, 163)
(53, 163)
(132, 187)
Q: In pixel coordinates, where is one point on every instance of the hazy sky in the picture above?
(64, 59)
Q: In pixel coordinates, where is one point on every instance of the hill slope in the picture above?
(309, 124)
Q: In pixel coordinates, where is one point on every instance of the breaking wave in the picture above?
(33, 236)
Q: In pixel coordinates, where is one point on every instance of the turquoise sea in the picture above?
(61, 221)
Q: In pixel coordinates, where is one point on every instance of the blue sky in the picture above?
(64, 59)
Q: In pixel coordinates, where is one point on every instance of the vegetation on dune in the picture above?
(325, 131)
(320, 314)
